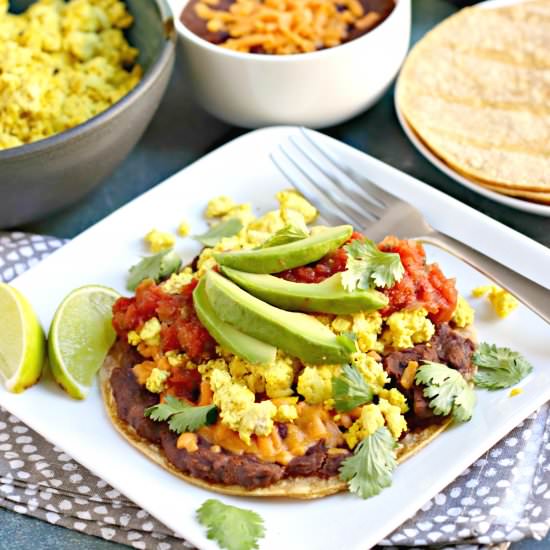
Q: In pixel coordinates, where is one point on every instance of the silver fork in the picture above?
(342, 195)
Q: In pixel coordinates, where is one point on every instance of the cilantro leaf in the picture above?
(231, 527)
(499, 367)
(347, 340)
(464, 405)
(448, 391)
(288, 234)
(370, 468)
(367, 266)
(350, 389)
(215, 234)
(181, 416)
(154, 267)
(163, 411)
(193, 418)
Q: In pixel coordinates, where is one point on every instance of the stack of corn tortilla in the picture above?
(476, 91)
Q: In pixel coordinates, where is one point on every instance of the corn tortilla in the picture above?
(476, 90)
(533, 196)
(297, 487)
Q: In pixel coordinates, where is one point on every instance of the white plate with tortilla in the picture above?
(243, 170)
(428, 153)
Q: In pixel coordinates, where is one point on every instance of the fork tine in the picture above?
(376, 192)
(363, 206)
(330, 215)
(336, 202)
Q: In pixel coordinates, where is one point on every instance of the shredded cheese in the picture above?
(313, 423)
(286, 26)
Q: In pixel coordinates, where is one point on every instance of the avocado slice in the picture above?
(227, 336)
(326, 297)
(298, 334)
(286, 256)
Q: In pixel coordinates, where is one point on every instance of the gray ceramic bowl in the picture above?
(44, 176)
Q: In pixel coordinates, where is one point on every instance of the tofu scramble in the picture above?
(61, 63)
(293, 360)
(289, 387)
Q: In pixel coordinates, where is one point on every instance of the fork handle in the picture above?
(533, 295)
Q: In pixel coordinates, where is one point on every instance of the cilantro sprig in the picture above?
(499, 368)
(349, 390)
(215, 234)
(181, 416)
(153, 267)
(370, 468)
(231, 527)
(347, 340)
(448, 391)
(366, 266)
(288, 234)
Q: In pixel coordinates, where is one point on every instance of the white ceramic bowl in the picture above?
(316, 89)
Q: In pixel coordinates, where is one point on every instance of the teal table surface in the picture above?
(181, 133)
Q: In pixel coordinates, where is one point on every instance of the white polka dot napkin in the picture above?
(504, 496)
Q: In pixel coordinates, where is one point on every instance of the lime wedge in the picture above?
(80, 336)
(22, 342)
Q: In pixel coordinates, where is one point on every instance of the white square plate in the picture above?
(242, 169)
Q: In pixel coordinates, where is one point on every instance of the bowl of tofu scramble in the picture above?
(79, 82)
(314, 63)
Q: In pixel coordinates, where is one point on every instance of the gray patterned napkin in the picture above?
(504, 496)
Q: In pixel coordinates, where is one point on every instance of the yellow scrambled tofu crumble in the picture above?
(503, 302)
(406, 328)
(177, 281)
(315, 383)
(184, 228)
(61, 63)
(156, 380)
(149, 333)
(374, 417)
(237, 406)
(159, 240)
(464, 313)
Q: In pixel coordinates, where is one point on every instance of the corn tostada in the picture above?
(289, 360)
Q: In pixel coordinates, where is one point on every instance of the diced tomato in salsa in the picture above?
(185, 383)
(323, 269)
(423, 285)
(180, 327)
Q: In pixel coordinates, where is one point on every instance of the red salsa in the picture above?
(319, 271)
(180, 327)
(423, 285)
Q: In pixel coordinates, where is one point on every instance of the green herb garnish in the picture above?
(347, 341)
(448, 391)
(288, 234)
(153, 267)
(215, 234)
(499, 367)
(231, 527)
(370, 468)
(181, 416)
(367, 266)
(349, 390)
